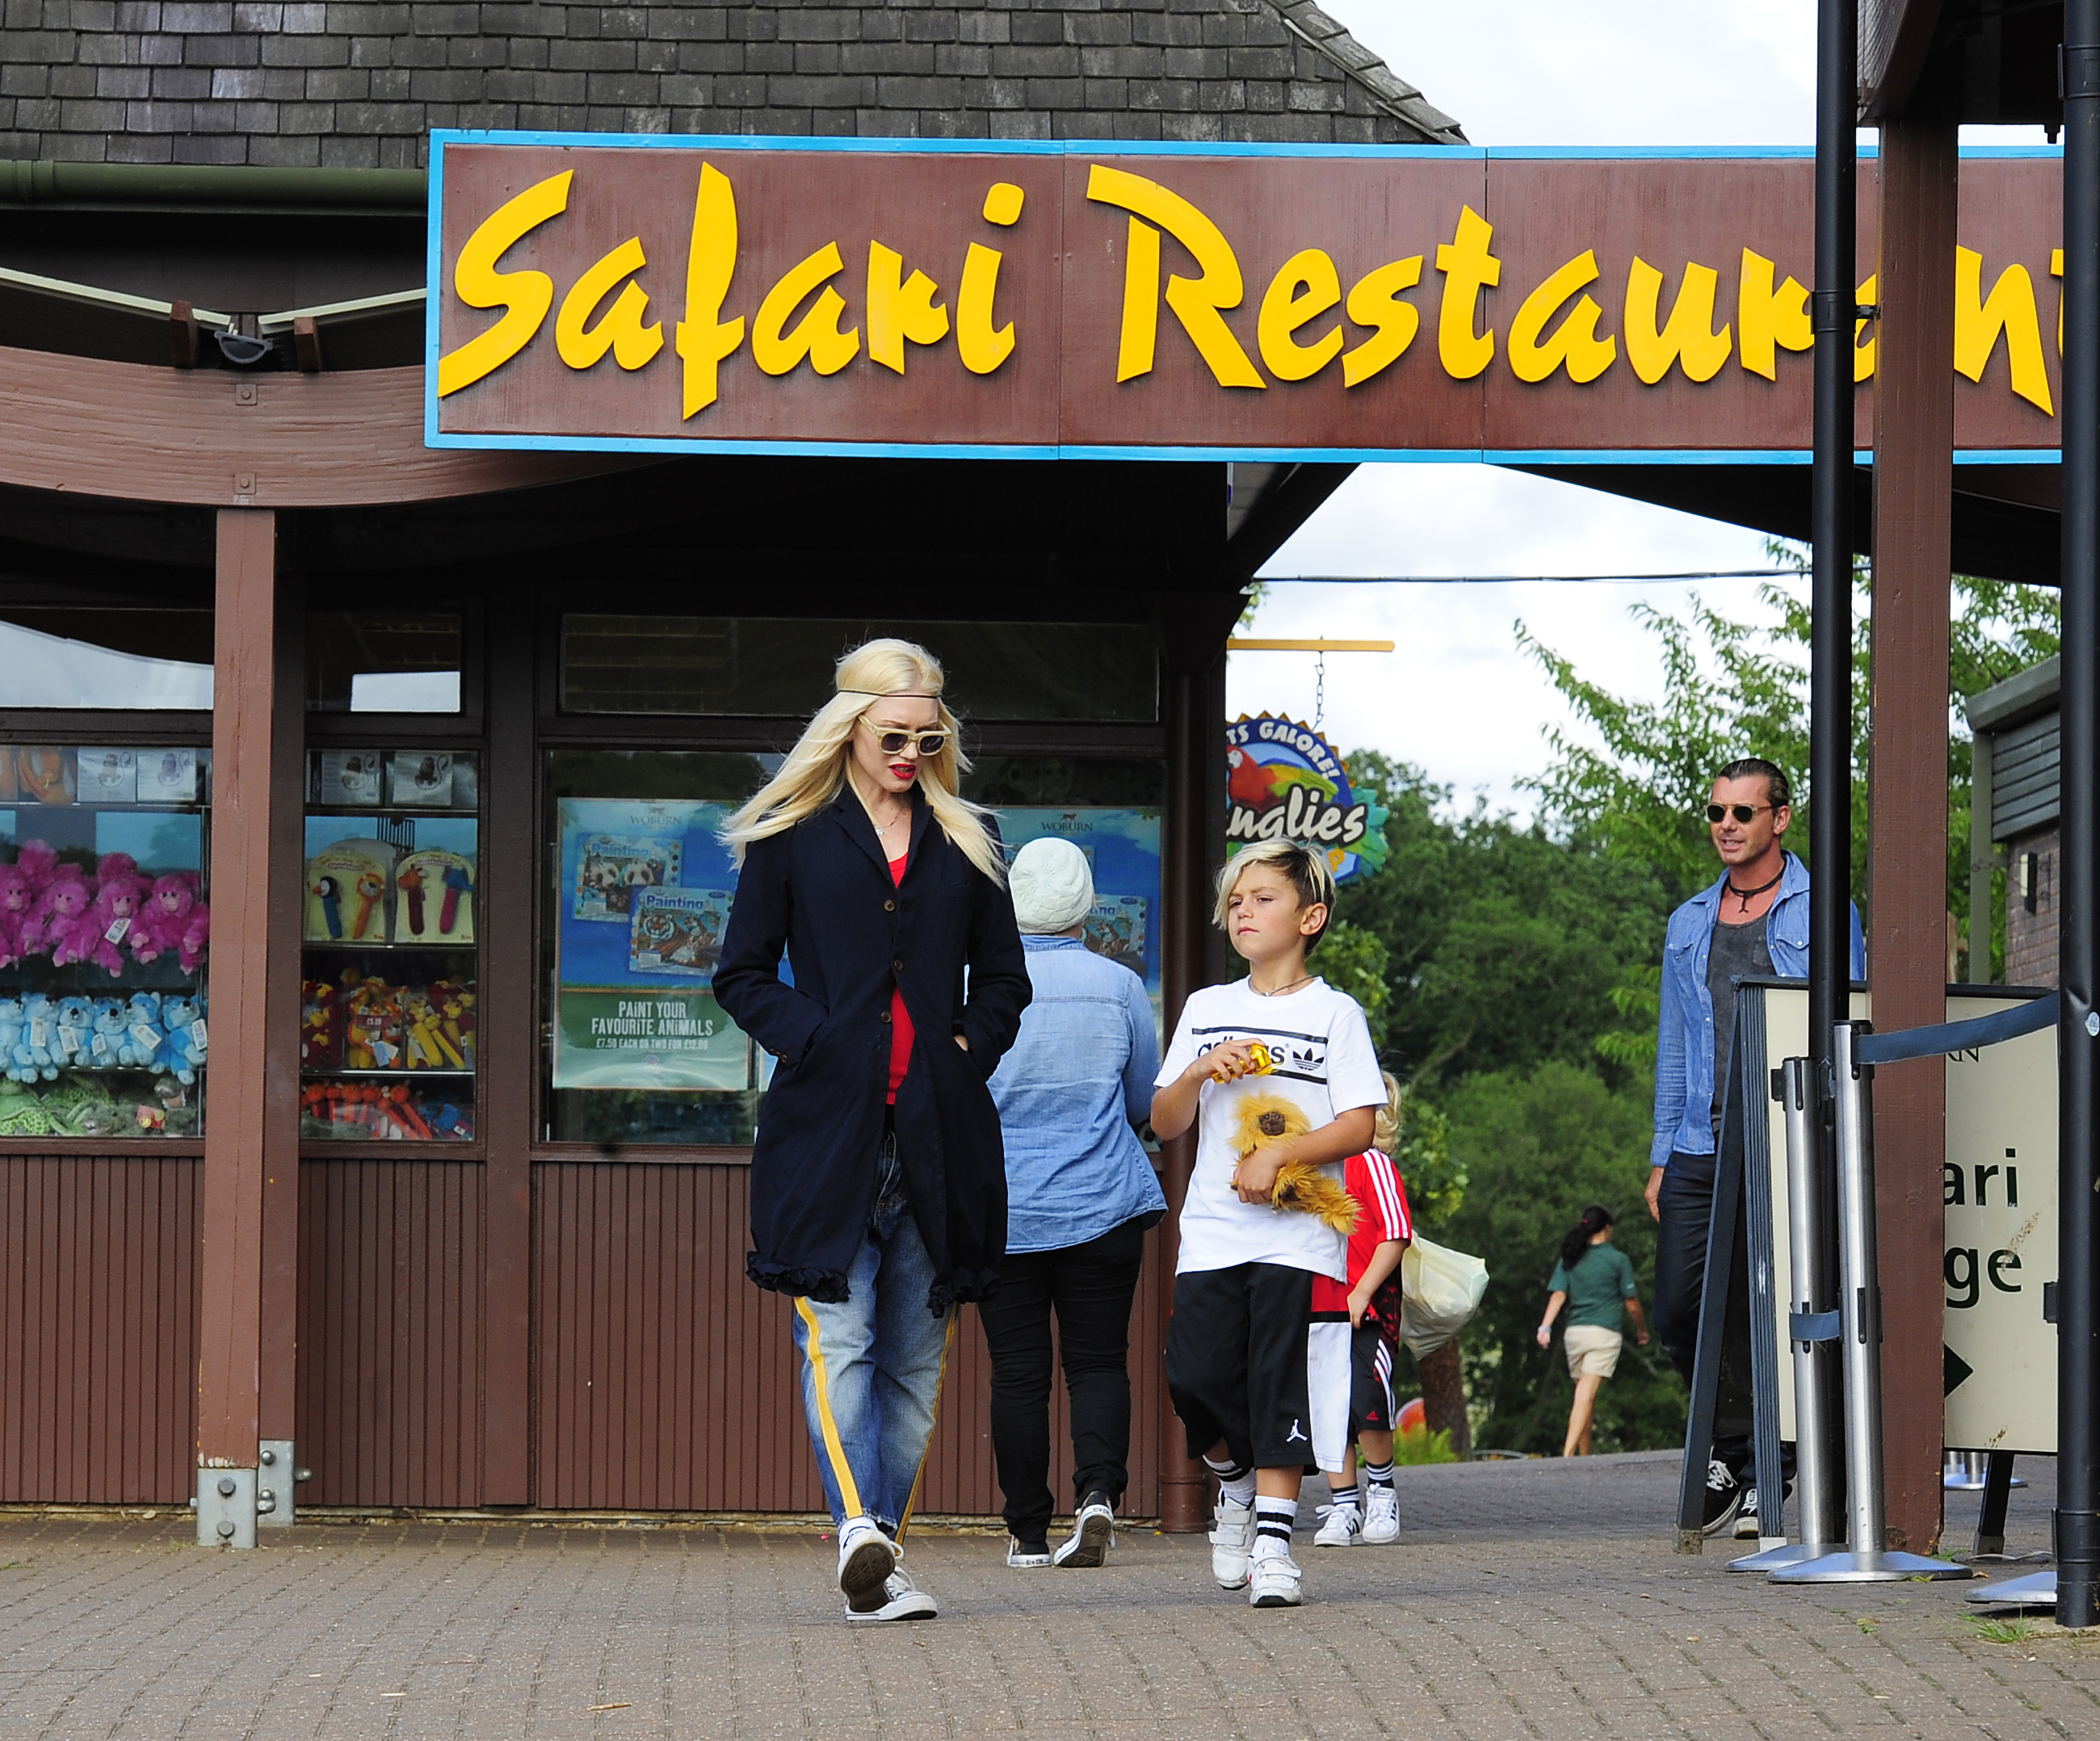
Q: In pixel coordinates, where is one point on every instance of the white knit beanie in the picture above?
(1053, 889)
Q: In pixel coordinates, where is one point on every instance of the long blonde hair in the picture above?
(816, 767)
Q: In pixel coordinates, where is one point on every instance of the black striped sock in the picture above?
(1272, 1521)
(1379, 1475)
(1235, 1480)
(1345, 1498)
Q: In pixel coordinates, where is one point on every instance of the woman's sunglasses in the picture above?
(930, 744)
(1743, 813)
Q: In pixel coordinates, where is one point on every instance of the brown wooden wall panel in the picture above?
(390, 1345)
(98, 1329)
(666, 1382)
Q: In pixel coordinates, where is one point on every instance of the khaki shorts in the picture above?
(1593, 1350)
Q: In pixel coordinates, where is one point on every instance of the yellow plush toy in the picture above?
(1266, 1119)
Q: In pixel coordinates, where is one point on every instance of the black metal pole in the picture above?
(1830, 649)
(2077, 1502)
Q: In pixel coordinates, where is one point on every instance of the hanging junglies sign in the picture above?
(1053, 298)
(1285, 781)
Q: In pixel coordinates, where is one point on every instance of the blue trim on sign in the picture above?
(1645, 457)
(777, 142)
(2008, 455)
(433, 291)
(1280, 456)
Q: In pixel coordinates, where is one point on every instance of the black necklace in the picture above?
(1745, 895)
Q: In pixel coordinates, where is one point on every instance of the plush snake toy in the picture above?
(1266, 1119)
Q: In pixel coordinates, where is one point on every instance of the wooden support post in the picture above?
(1907, 952)
(1192, 635)
(277, 1377)
(249, 1235)
(510, 1053)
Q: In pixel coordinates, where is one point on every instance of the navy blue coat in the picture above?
(822, 891)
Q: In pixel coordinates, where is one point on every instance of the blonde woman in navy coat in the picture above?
(878, 1196)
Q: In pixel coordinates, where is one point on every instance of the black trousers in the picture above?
(1090, 1287)
(1687, 1202)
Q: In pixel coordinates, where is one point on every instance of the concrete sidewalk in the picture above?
(1536, 1599)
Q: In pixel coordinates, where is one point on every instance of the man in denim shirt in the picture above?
(1752, 921)
(1080, 1195)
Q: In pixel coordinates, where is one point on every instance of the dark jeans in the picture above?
(1090, 1287)
(1687, 1202)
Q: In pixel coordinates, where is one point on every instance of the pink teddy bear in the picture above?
(119, 899)
(63, 922)
(39, 862)
(17, 896)
(196, 937)
(164, 918)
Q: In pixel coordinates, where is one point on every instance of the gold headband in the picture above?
(892, 694)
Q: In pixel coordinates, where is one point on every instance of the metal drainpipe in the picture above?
(231, 186)
(1830, 643)
(2077, 1502)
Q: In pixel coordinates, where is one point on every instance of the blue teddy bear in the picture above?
(31, 1060)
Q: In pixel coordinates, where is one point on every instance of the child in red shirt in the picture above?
(1349, 1355)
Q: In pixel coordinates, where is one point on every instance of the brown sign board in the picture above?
(1057, 298)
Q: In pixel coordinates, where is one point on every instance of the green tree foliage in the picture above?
(1503, 942)
(1539, 1147)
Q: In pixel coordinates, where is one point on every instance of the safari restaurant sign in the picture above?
(1045, 298)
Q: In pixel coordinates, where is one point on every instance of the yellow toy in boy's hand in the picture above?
(1258, 1061)
(1266, 1119)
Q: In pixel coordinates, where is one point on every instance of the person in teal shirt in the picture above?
(1594, 1280)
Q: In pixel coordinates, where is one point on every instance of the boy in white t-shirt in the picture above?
(1236, 1346)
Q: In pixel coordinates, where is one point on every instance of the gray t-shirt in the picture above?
(1739, 952)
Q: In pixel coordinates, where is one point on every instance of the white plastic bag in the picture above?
(1441, 1289)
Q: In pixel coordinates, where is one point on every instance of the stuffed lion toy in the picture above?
(1266, 1119)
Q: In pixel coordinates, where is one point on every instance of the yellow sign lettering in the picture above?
(1769, 321)
(1863, 347)
(817, 336)
(982, 346)
(900, 308)
(705, 340)
(1468, 269)
(1196, 302)
(524, 296)
(2008, 309)
(1305, 288)
(1688, 339)
(1574, 344)
(1374, 302)
(1139, 336)
(580, 342)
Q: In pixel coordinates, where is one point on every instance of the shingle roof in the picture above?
(359, 83)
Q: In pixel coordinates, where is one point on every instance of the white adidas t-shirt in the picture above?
(1324, 1061)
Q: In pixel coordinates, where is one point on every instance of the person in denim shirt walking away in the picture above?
(1752, 922)
(1080, 1195)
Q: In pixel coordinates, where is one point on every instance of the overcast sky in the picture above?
(1457, 698)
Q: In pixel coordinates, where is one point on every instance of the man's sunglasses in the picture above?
(930, 744)
(1743, 813)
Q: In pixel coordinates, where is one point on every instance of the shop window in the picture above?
(105, 659)
(780, 665)
(389, 976)
(384, 661)
(639, 1055)
(104, 928)
(638, 1052)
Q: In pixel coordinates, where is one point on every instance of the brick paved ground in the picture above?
(1535, 1600)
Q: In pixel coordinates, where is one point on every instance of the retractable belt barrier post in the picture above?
(1869, 1560)
(1812, 1328)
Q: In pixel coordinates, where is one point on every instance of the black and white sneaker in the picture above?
(1724, 1497)
(1747, 1522)
(866, 1557)
(1093, 1534)
(902, 1600)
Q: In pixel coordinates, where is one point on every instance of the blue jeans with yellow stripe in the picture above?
(871, 1366)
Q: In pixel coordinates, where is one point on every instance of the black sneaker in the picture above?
(1724, 1497)
(1093, 1533)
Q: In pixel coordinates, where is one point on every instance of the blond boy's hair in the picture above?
(1385, 1120)
(1306, 868)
